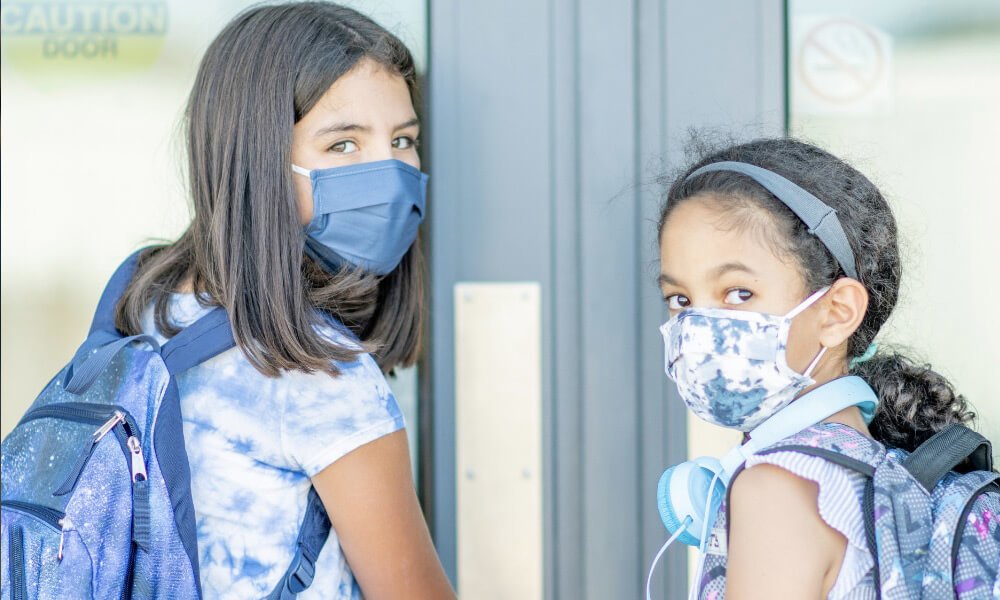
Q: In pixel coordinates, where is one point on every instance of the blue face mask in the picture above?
(366, 215)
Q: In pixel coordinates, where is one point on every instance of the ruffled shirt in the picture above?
(841, 492)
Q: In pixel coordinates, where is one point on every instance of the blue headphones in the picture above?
(682, 494)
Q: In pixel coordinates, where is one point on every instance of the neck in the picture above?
(186, 286)
(850, 416)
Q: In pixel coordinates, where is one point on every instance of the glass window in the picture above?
(909, 92)
(92, 158)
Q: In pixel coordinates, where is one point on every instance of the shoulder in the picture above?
(324, 416)
(358, 392)
(359, 380)
(782, 494)
(775, 530)
(772, 486)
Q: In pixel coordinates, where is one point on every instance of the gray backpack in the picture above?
(932, 517)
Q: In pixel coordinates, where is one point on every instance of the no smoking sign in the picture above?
(840, 65)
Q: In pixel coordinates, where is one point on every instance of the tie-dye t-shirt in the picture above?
(253, 443)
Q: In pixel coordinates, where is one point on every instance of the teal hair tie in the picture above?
(867, 356)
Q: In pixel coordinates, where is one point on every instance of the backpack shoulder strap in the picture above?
(104, 315)
(312, 536)
(102, 327)
(833, 456)
(848, 448)
(205, 338)
(835, 443)
(196, 343)
(200, 341)
(944, 451)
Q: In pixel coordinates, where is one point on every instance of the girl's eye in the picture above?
(344, 147)
(404, 142)
(677, 302)
(738, 296)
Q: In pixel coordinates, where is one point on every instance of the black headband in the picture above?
(821, 220)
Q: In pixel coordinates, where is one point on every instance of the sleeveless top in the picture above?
(839, 504)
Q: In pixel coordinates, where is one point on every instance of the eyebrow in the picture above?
(415, 121)
(347, 126)
(341, 128)
(665, 279)
(732, 266)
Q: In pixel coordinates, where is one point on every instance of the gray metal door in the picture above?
(548, 122)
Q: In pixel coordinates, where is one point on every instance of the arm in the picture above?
(779, 547)
(370, 498)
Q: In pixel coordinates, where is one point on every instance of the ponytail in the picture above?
(915, 401)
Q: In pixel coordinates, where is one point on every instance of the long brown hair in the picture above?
(244, 247)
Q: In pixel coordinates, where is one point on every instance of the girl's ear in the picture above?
(845, 306)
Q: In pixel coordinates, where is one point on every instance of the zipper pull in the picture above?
(140, 495)
(138, 460)
(74, 474)
(115, 419)
(65, 524)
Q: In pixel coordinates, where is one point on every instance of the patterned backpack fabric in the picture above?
(932, 517)
(96, 499)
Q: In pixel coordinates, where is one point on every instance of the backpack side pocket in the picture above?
(975, 549)
(45, 555)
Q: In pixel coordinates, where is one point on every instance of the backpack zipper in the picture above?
(130, 574)
(109, 418)
(64, 524)
(116, 418)
(80, 412)
(45, 514)
(53, 518)
(18, 586)
(138, 460)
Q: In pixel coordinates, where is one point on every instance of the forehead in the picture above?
(700, 235)
(368, 88)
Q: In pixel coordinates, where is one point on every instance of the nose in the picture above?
(380, 151)
(381, 154)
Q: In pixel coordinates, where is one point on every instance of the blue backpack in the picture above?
(96, 499)
(932, 517)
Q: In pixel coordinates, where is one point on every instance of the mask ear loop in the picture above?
(815, 361)
(649, 578)
(692, 589)
(301, 170)
(797, 311)
(807, 302)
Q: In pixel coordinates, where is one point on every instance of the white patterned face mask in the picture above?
(730, 366)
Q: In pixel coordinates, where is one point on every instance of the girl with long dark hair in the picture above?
(304, 177)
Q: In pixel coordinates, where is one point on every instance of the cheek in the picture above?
(412, 159)
(802, 343)
(303, 199)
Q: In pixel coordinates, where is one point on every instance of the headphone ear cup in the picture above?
(683, 492)
(710, 463)
(673, 519)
